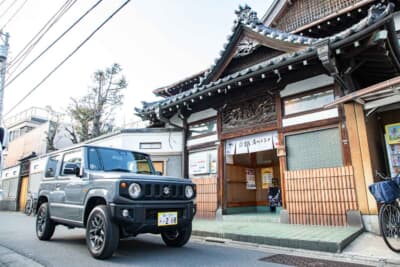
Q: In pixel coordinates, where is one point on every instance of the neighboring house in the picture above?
(28, 132)
(10, 178)
(300, 100)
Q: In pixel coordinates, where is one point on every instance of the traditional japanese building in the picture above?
(300, 100)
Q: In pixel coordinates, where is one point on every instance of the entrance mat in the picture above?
(307, 262)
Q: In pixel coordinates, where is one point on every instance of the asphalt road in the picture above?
(68, 248)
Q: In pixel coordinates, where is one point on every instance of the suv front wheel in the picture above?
(44, 225)
(177, 238)
(102, 235)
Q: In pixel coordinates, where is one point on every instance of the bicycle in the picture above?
(30, 204)
(387, 193)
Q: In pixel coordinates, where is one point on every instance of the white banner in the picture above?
(252, 143)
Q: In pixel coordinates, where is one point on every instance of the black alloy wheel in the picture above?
(44, 225)
(102, 235)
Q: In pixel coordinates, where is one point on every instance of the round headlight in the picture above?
(134, 190)
(189, 191)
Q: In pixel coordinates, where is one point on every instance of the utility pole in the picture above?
(3, 66)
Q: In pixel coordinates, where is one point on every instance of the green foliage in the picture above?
(93, 114)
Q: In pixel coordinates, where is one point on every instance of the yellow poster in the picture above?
(266, 177)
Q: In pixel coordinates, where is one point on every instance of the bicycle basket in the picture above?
(385, 191)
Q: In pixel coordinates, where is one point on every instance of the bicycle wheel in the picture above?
(28, 207)
(389, 222)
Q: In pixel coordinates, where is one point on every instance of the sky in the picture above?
(157, 42)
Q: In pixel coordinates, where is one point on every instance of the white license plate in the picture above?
(167, 218)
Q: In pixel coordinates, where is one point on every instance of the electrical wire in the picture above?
(69, 56)
(39, 35)
(52, 44)
(8, 8)
(2, 2)
(14, 14)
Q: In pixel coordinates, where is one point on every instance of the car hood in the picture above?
(134, 176)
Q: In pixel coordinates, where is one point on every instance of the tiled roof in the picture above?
(376, 13)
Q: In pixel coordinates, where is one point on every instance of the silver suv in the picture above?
(113, 193)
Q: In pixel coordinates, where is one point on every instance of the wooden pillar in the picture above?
(185, 153)
(360, 157)
(221, 203)
(281, 148)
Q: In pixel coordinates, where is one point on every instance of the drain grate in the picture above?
(307, 262)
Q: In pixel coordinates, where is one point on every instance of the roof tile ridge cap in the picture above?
(375, 13)
(244, 15)
(274, 33)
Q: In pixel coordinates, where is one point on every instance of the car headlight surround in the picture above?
(189, 192)
(134, 190)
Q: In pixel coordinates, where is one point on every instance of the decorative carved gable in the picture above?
(249, 113)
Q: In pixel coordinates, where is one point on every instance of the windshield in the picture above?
(108, 159)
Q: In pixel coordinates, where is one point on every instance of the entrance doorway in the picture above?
(250, 179)
(23, 192)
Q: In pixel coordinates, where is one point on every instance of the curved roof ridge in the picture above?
(246, 17)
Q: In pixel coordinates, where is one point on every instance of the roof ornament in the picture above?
(245, 14)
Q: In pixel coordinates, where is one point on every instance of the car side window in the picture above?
(94, 161)
(71, 163)
(52, 166)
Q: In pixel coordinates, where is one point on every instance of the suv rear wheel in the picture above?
(177, 238)
(102, 235)
(44, 225)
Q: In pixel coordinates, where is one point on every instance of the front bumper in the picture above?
(143, 216)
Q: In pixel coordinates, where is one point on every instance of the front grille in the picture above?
(157, 191)
(151, 214)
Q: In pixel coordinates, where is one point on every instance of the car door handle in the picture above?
(58, 186)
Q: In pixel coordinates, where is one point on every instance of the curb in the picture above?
(333, 256)
(324, 246)
(9, 258)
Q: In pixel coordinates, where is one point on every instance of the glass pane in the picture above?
(319, 149)
(121, 160)
(308, 102)
(52, 166)
(202, 128)
(94, 161)
(71, 162)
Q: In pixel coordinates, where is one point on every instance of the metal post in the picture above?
(3, 61)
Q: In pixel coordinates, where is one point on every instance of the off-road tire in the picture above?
(44, 225)
(177, 238)
(102, 234)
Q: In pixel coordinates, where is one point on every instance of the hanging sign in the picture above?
(251, 179)
(252, 143)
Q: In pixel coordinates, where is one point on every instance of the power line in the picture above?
(8, 8)
(53, 43)
(70, 55)
(2, 2)
(39, 35)
(15, 13)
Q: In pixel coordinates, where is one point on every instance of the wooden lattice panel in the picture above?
(206, 197)
(320, 196)
(303, 12)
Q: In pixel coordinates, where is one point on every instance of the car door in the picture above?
(50, 185)
(74, 185)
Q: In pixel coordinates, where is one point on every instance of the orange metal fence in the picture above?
(206, 197)
(320, 196)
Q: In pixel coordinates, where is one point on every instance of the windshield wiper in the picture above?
(117, 170)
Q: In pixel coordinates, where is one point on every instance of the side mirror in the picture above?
(77, 171)
(159, 173)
